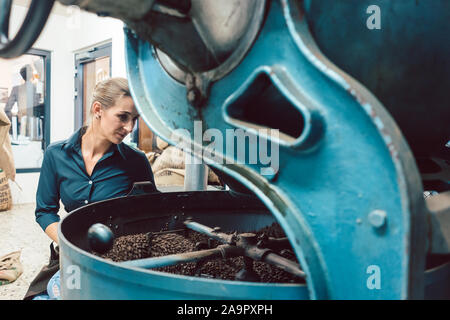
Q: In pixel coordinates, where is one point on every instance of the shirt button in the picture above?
(90, 182)
(85, 201)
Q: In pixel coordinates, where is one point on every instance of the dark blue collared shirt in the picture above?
(64, 177)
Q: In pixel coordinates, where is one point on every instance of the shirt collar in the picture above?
(119, 147)
(74, 143)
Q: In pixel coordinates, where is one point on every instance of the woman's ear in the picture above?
(96, 109)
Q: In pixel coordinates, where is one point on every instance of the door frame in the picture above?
(47, 56)
(81, 58)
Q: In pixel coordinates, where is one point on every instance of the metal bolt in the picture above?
(192, 96)
(377, 218)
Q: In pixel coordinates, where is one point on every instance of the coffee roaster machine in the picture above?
(359, 172)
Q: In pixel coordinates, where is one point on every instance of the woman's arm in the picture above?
(47, 196)
(52, 231)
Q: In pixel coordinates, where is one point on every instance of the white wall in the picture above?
(63, 35)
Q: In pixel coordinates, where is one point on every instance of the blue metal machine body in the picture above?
(346, 190)
(350, 159)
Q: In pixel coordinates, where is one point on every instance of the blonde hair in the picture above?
(107, 92)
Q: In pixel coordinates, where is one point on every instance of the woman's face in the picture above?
(118, 121)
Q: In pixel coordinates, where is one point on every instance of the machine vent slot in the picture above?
(263, 105)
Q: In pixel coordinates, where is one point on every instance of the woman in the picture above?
(92, 165)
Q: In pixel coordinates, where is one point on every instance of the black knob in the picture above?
(100, 238)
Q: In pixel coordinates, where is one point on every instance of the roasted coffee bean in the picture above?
(145, 245)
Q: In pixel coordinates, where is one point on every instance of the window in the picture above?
(25, 97)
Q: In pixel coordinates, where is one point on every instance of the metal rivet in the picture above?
(192, 96)
(377, 218)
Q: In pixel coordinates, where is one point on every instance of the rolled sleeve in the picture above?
(47, 195)
(46, 219)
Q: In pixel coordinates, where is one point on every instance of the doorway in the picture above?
(91, 67)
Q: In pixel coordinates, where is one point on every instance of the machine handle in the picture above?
(30, 30)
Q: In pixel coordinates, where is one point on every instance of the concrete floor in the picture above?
(19, 231)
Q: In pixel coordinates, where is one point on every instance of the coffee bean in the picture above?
(145, 245)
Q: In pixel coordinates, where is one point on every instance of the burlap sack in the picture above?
(169, 177)
(151, 157)
(169, 167)
(10, 268)
(6, 155)
(161, 144)
(171, 157)
(5, 193)
(213, 178)
(175, 177)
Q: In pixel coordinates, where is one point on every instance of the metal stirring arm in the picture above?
(248, 242)
(213, 233)
(222, 251)
(244, 244)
